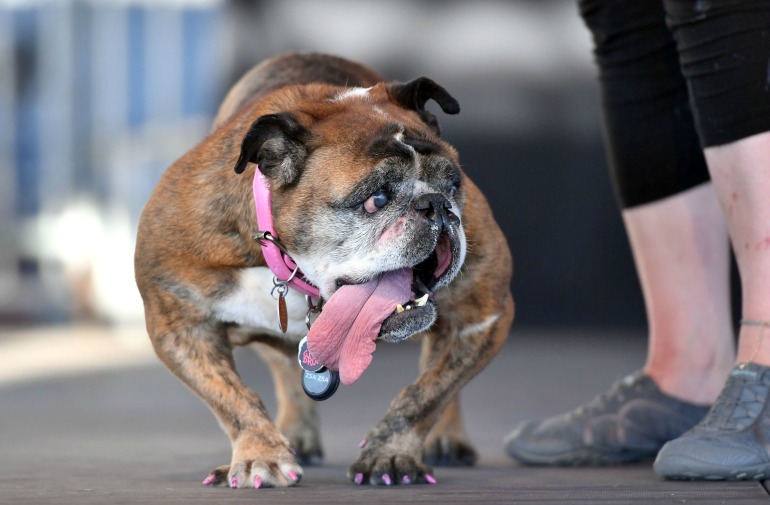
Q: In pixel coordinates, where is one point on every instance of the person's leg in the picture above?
(741, 174)
(730, 442)
(672, 217)
(679, 243)
(724, 51)
(681, 253)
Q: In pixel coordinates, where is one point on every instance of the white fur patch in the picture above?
(477, 328)
(251, 305)
(353, 93)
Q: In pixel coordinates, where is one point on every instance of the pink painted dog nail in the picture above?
(292, 475)
(359, 478)
(211, 479)
(362, 444)
(234, 482)
(386, 480)
(430, 479)
(257, 482)
(406, 480)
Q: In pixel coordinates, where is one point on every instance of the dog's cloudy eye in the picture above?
(377, 201)
(453, 191)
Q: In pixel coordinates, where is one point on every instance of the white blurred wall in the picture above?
(98, 97)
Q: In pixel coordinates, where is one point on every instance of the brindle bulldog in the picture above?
(370, 212)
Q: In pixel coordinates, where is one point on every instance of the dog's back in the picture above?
(293, 68)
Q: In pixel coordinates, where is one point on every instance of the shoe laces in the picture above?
(614, 397)
(740, 402)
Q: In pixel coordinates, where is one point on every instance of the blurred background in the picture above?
(98, 97)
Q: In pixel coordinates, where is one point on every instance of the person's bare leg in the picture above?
(730, 442)
(682, 258)
(681, 252)
(741, 175)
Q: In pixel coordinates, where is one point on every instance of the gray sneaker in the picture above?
(628, 423)
(731, 442)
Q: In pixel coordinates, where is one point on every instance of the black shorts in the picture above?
(677, 76)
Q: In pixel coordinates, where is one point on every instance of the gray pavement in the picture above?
(134, 434)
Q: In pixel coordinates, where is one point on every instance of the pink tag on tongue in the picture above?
(343, 336)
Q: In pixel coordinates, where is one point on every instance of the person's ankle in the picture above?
(753, 343)
(692, 383)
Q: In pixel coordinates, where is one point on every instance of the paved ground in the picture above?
(118, 428)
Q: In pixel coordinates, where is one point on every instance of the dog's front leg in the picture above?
(202, 358)
(447, 444)
(393, 450)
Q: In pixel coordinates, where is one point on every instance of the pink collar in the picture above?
(278, 260)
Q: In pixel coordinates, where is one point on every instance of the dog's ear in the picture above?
(414, 94)
(277, 143)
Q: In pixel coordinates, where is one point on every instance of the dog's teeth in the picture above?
(399, 308)
(421, 301)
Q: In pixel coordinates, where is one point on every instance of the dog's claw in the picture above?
(359, 479)
(217, 476)
(430, 479)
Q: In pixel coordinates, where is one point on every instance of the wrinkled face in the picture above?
(378, 192)
(403, 211)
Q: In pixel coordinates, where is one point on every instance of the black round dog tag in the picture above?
(320, 385)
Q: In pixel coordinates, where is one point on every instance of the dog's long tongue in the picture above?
(343, 336)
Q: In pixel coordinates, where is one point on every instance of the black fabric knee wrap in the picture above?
(724, 50)
(652, 144)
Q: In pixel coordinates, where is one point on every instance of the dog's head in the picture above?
(364, 187)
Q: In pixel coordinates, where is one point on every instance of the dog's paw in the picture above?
(307, 448)
(257, 464)
(253, 474)
(448, 450)
(388, 463)
(390, 470)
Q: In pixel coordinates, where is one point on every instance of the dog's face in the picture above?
(363, 186)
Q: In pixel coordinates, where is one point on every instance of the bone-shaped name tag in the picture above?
(318, 382)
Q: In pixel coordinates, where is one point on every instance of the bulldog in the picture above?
(372, 221)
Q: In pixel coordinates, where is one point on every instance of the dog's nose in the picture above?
(435, 207)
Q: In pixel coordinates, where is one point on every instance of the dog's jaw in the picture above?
(434, 266)
(448, 257)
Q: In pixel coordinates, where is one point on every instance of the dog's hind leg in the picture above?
(297, 417)
(447, 444)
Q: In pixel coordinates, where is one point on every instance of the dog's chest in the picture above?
(252, 305)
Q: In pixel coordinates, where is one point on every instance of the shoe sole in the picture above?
(686, 468)
(580, 457)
